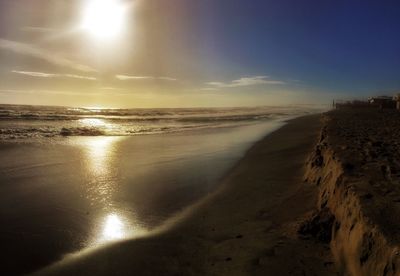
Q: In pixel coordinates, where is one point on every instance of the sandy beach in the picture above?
(247, 227)
(60, 196)
(187, 137)
(316, 196)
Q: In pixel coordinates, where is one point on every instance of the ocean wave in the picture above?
(81, 131)
(20, 122)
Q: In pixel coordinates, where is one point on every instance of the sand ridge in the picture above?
(356, 167)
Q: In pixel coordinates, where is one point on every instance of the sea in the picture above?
(25, 121)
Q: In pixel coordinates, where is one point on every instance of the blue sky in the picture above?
(333, 45)
(200, 53)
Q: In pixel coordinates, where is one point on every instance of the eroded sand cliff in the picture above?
(356, 166)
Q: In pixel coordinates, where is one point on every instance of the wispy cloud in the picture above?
(245, 81)
(38, 92)
(50, 75)
(33, 51)
(209, 89)
(36, 29)
(167, 78)
(128, 77)
(58, 92)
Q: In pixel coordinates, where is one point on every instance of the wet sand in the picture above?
(59, 196)
(247, 227)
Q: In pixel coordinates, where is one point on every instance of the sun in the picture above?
(104, 18)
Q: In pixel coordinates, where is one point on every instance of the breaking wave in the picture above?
(23, 121)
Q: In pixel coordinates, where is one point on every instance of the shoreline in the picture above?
(242, 229)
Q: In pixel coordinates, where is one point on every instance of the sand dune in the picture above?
(356, 166)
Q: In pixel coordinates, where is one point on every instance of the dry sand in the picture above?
(248, 227)
(357, 168)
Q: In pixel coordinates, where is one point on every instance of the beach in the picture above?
(192, 138)
(248, 226)
(316, 195)
(64, 194)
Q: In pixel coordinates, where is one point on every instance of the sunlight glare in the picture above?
(113, 228)
(100, 151)
(92, 122)
(104, 19)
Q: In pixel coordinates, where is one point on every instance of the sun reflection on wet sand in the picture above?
(100, 161)
(111, 223)
(100, 153)
(101, 165)
(113, 228)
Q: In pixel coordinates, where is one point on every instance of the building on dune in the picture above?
(383, 102)
(396, 98)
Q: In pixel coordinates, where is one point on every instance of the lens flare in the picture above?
(104, 19)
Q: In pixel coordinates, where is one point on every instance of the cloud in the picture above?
(50, 57)
(58, 92)
(167, 78)
(49, 75)
(208, 89)
(127, 77)
(36, 29)
(245, 81)
(16, 91)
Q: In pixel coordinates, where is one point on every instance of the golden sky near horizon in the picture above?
(116, 53)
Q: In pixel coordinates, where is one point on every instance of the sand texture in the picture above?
(356, 165)
(248, 227)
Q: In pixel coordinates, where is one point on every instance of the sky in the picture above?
(192, 53)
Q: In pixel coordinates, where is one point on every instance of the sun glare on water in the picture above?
(104, 19)
(113, 228)
(92, 122)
